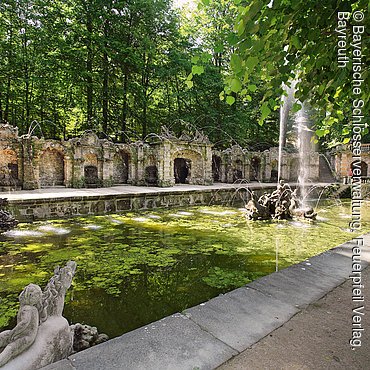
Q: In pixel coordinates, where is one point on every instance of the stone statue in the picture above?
(86, 336)
(20, 338)
(42, 335)
(55, 291)
(7, 221)
(282, 203)
(256, 210)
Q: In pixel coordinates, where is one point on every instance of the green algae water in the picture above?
(135, 268)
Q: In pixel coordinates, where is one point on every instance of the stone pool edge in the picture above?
(45, 205)
(209, 334)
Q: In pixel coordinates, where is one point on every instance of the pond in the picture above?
(135, 268)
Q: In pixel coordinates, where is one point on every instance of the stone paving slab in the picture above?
(345, 249)
(317, 338)
(298, 288)
(241, 317)
(174, 342)
(60, 365)
(310, 280)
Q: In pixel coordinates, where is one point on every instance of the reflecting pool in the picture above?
(135, 268)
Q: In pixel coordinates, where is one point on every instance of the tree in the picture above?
(283, 40)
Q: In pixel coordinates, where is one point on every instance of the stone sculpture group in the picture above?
(42, 335)
(283, 203)
(7, 221)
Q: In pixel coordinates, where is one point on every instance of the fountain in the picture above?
(7, 221)
(287, 99)
(283, 203)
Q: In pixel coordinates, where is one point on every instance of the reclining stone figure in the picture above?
(20, 338)
(42, 335)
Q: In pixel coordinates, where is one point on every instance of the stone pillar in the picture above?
(223, 168)
(140, 171)
(77, 173)
(68, 171)
(168, 171)
(30, 175)
(268, 168)
(107, 162)
(284, 167)
(314, 173)
(208, 176)
(247, 169)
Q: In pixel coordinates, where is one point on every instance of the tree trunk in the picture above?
(105, 79)
(124, 107)
(89, 70)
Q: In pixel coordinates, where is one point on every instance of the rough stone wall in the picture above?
(51, 168)
(90, 161)
(10, 158)
(343, 161)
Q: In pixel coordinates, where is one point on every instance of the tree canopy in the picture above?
(281, 40)
(126, 67)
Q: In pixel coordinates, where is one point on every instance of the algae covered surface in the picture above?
(135, 268)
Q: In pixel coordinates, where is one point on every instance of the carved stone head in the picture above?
(31, 295)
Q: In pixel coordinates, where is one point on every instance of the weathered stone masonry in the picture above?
(29, 162)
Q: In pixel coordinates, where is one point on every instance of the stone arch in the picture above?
(216, 168)
(151, 175)
(238, 173)
(188, 167)
(274, 171)
(121, 167)
(182, 170)
(363, 166)
(151, 170)
(255, 169)
(51, 168)
(91, 173)
(8, 167)
(294, 169)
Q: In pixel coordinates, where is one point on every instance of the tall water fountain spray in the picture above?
(288, 100)
(304, 148)
(302, 133)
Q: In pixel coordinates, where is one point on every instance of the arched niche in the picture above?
(216, 168)
(255, 169)
(51, 168)
(121, 166)
(363, 167)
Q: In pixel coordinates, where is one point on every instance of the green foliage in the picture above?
(226, 278)
(123, 69)
(79, 183)
(277, 41)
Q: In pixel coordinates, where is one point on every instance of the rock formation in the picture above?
(7, 221)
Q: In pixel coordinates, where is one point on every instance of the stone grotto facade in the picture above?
(29, 162)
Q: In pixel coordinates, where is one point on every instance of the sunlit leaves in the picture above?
(197, 70)
(277, 42)
(265, 111)
(235, 85)
(230, 100)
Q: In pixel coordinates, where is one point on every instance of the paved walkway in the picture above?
(62, 192)
(316, 338)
